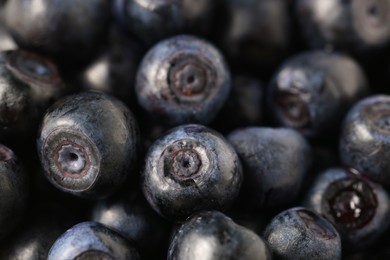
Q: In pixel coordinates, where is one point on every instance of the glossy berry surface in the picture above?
(357, 26)
(189, 169)
(213, 235)
(275, 162)
(365, 138)
(358, 208)
(87, 144)
(66, 29)
(312, 91)
(183, 79)
(91, 240)
(298, 233)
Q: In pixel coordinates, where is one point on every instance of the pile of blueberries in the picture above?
(194, 130)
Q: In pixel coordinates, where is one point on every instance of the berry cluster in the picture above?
(186, 130)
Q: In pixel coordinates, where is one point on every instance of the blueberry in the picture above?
(91, 240)
(275, 161)
(312, 91)
(191, 168)
(29, 84)
(65, 29)
(255, 34)
(212, 235)
(87, 144)
(358, 208)
(131, 216)
(183, 79)
(298, 233)
(14, 191)
(365, 138)
(152, 21)
(357, 26)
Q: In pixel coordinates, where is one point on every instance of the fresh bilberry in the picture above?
(275, 161)
(88, 144)
(365, 138)
(183, 79)
(92, 240)
(131, 216)
(212, 235)
(299, 233)
(152, 20)
(313, 91)
(189, 169)
(358, 208)
(66, 29)
(355, 26)
(255, 34)
(14, 191)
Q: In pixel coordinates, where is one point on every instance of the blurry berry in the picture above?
(313, 91)
(357, 26)
(299, 233)
(214, 236)
(183, 79)
(67, 29)
(365, 138)
(275, 161)
(91, 240)
(87, 144)
(358, 208)
(14, 191)
(191, 168)
(132, 217)
(152, 20)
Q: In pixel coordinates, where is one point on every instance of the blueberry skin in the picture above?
(131, 216)
(29, 83)
(243, 27)
(152, 21)
(213, 235)
(189, 169)
(365, 138)
(64, 29)
(91, 240)
(88, 144)
(14, 191)
(275, 162)
(358, 208)
(298, 233)
(312, 91)
(355, 26)
(183, 79)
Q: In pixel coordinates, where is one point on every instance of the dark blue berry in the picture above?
(212, 235)
(298, 233)
(87, 144)
(191, 168)
(365, 138)
(14, 191)
(358, 208)
(314, 90)
(275, 161)
(183, 79)
(91, 240)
